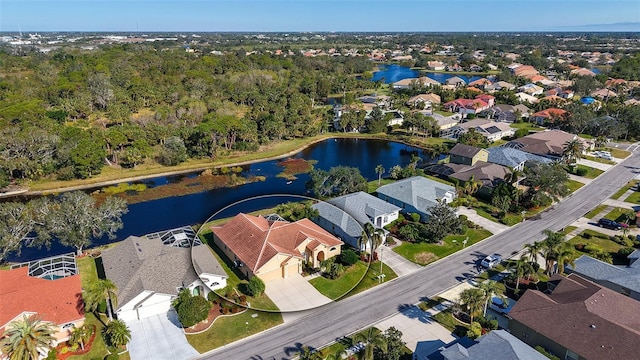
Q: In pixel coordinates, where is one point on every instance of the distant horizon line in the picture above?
(556, 31)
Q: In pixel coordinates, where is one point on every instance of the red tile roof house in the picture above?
(27, 290)
(467, 106)
(550, 115)
(274, 249)
(578, 319)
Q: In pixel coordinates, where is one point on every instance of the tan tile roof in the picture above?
(255, 241)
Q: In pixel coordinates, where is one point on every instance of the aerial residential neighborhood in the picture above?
(240, 180)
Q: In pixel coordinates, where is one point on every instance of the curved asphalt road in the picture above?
(323, 325)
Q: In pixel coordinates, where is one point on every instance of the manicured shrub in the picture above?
(625, 251)
(348, 257)
(415, 217)
(475, 330)
(581, 171)
(191, 310)
(255, 287)
(586, 235)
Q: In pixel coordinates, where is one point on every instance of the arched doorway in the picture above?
(320, 257)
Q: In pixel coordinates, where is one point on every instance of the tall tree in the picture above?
(442, 221)
(556, 252)
(522, 268)
(380, 171)
(76, 219)
(118, 333)
(339, 180)
(489, 289)
(372, 339)
(102, 290)
(472, 301)
(27, 339)
(395, 345)
(572, 151)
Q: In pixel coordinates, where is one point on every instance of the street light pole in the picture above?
(381, 278)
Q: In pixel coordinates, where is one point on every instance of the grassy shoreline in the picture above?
(271, 152)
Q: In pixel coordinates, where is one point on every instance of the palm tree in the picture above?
(522, 268)
(27, 338)
(102, 290)
(555, 250)
(80, 335)
(472, 300)
(118, 333)
(532, 251)
(372, 338)
(572, 151)
(491, 288)
(306, 353)
(370, 233)
(472, 185)
(379, 170)
(513, 177)
(337, 355)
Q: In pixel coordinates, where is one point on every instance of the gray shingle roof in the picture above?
(464, 150)
(417, 191)
(339, 218)
(496, 345)
(362, 206)
(512, 157)
(628, 277)
(137, 264)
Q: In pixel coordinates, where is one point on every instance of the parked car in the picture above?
(490, 261)
(609, 224)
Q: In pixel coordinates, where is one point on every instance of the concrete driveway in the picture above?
(397, 263)
(294, 294)
(159, 337)
(494, 227)
(422, 334)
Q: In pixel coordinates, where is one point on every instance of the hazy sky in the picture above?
(312, 15)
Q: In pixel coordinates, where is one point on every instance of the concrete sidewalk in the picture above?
(492, 226)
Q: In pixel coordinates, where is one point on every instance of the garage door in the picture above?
(155, 305)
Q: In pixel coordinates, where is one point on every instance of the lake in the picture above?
(177, 211)
(393, 73)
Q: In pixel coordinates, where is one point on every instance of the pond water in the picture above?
(177, 211)
(393, 73)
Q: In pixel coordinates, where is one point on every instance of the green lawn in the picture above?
(486, 211)
(597, 210)
(358, 278)
(574, 185)
(234, 280)
(87, 269)
(527, 125)
(633, 198)
(424, 253)
(618, 153)
(370, 279)
(372, 185)
(618, 214)
(446, 319)
(568, 229)
(624, 189)
(443, 113)
(228, 329)
(592, 173)
(598, 239)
